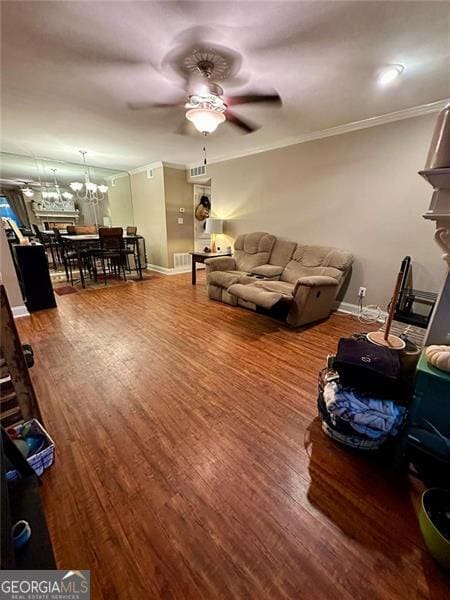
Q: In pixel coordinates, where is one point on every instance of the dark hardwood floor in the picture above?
(191, 463)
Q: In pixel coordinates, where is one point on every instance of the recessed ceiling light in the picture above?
(388, 74)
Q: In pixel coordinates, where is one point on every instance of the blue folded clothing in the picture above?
(369, 416)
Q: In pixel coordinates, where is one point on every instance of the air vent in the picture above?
(149, 173)
(198, 171)
(181, 259)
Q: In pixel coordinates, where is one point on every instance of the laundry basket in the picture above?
(41, 460)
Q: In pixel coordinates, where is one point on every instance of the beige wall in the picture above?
(178, 194)
(120, 205)
(8, 274)
(150, 214)
(156, 207)
(358, 191)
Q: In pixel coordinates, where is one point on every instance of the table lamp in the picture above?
(214, 226)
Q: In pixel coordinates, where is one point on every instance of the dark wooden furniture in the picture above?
(68, 256)
(14, 365)
(34, 276)
(200, 257)
(113, 251)
(49, 243)
(81, 242)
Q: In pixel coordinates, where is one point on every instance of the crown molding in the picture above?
(111, 177)
(172, 165)
(154, 165)
(399, 115)
(157, 165)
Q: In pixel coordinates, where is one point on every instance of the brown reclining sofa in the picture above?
(268, 273)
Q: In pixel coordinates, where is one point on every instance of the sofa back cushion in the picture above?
(316, 260)
(252, 250)
(282, 252)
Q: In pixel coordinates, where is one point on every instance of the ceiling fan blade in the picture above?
(245, 126)
(145, 105)
(254, 97)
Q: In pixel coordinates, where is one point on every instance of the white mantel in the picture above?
(55, 215)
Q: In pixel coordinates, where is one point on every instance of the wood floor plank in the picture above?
(190, 459)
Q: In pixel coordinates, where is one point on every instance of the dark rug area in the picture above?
(66, 289)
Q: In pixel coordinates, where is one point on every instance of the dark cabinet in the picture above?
(32, 264)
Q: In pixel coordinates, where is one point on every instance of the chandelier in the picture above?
(56, 194)
(88, 191)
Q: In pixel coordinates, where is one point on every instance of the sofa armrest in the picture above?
(221, 263)
(317, 281)
(313, 299)
(267, 270)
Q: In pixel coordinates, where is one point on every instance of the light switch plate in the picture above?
(180, 220)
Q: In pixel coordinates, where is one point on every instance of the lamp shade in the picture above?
(214, 226)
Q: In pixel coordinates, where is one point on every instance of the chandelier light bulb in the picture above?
(76, 186)
(90, 186)
(67, 195)
(103, 189)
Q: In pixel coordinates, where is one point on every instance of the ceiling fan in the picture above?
(206, 105)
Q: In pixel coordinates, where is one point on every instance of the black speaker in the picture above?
(34, 275)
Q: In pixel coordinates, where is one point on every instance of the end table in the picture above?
(200, 257)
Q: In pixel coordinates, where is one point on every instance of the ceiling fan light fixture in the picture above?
(205, 120)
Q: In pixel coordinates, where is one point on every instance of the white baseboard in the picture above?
(353, 309)
(346, 307)
(166, 271)
(20, 311)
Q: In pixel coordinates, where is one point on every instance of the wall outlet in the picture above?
(362, 292)
(180, 221)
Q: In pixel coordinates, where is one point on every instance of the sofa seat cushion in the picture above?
(279, 287)
(268, 270)
(226, 278)
(254, 294)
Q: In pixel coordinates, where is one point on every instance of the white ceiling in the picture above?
(71, 68)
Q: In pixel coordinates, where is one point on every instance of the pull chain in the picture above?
(205, 162)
